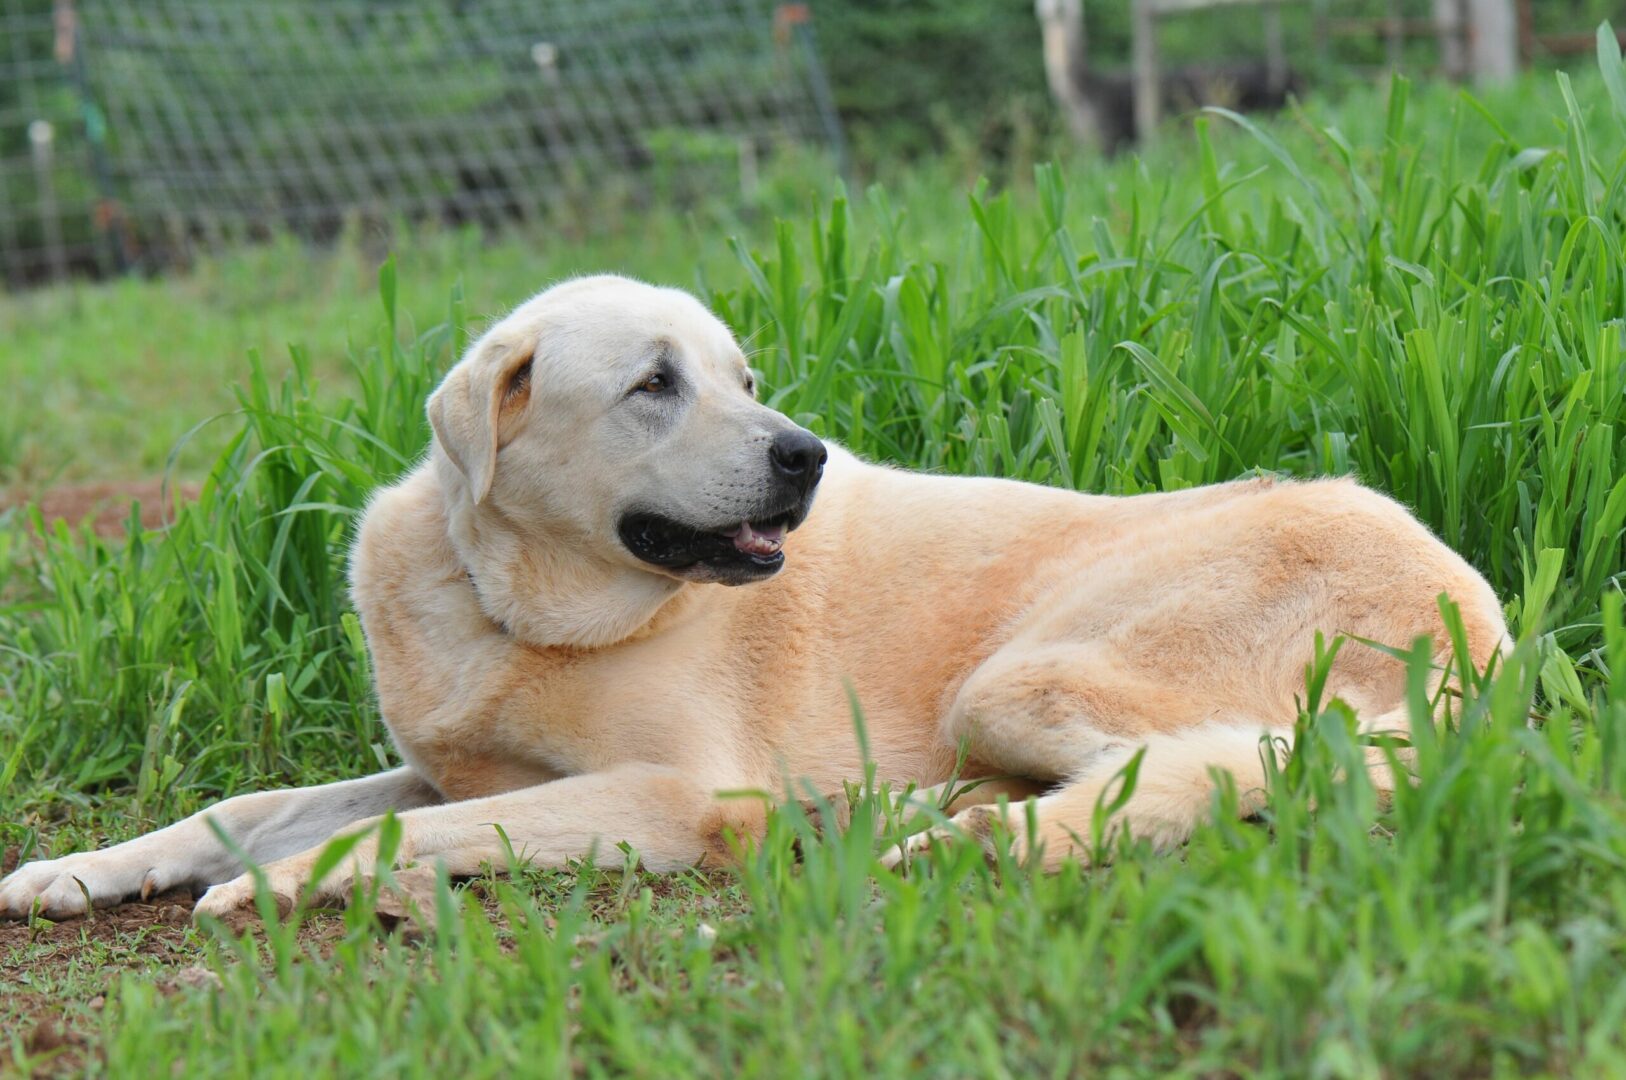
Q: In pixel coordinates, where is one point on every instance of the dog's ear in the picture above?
(467, 410)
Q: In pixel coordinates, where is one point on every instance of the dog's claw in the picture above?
(914, 846)
(975, 825)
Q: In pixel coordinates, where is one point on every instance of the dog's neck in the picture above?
(549, 595)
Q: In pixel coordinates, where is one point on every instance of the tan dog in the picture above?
(554, 654)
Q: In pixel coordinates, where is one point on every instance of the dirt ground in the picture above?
(106, 505)
(54, 976)
(48, 998)
(166, 915)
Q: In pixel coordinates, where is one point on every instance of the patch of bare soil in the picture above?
(55, 976)
(152, 928)
(52, 1048)
(106, 505)
(48, 998)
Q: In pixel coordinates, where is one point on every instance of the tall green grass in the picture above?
(1430, 295)
(1450, 942)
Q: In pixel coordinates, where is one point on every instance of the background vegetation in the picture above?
(919, 77)
(1414, 286)
(912, 79)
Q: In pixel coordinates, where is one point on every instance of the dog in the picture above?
(619, 587)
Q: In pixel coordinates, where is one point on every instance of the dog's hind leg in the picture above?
(1083, 722)
(1173, 791)
(1072, 715)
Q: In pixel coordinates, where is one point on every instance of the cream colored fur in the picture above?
(536, 675)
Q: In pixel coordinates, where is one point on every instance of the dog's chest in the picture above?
(559, 713)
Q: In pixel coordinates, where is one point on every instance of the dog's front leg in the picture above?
(671, 818)
(266, 825)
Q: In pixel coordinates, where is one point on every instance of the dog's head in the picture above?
(622, 418)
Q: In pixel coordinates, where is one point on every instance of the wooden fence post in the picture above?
(1061, 26)
(1148, 81)
(1275, 49)
(1448, 28)
(1493, 41)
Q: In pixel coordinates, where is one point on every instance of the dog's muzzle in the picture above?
(741, 551)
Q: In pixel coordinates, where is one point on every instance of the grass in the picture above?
(124, 370)
(1422, 289)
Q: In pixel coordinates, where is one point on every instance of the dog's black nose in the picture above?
(798, 457)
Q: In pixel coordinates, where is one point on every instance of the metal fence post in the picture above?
(70, 50)
(797, 20)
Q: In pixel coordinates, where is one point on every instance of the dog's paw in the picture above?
(976, 825)
(916, 846)
(833, 816)
(59, 888)
(235, 897)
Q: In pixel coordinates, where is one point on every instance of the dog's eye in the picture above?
(750, 383)
(655, 384)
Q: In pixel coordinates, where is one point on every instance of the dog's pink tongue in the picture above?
(766, 540)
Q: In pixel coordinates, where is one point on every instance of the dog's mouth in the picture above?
(733, 555)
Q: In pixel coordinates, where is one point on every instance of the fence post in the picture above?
(1394, 35)
(70, 51)
(1493, 41)
(41, 138)
(794, 21)
(1275, 50)
(1148, 82)
(1061, 30)
(1448, 29)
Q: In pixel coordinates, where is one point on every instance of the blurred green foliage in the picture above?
(906, 71)
(912, 78)
(921, 76)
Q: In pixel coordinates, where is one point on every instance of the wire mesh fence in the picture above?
(135, 133)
